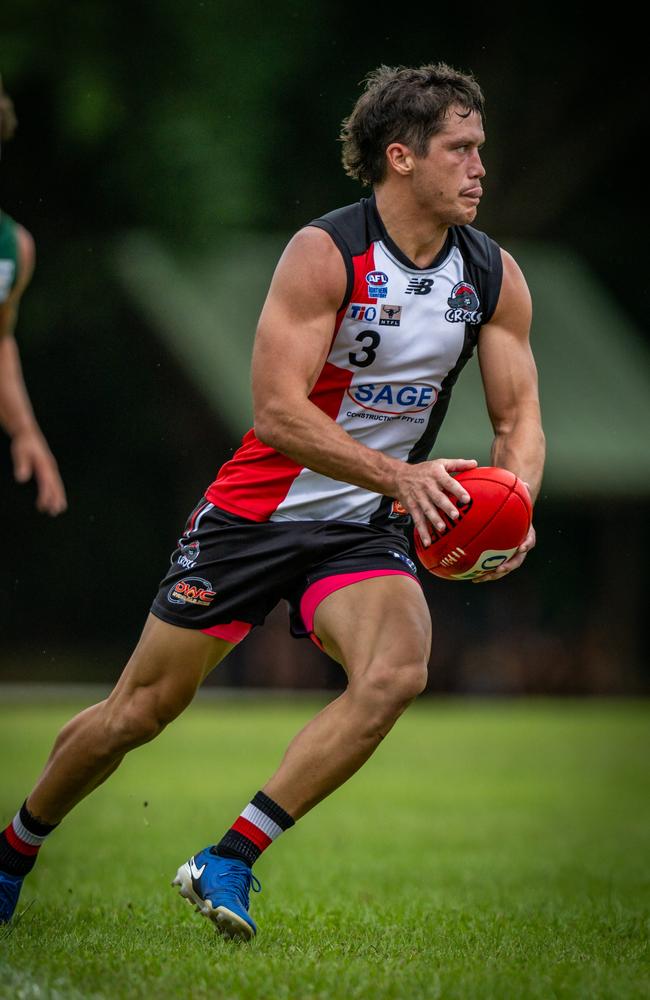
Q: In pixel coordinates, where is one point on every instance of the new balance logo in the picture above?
(419, 286)
(196, 872)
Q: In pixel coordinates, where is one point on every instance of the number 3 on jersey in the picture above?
(366, 357)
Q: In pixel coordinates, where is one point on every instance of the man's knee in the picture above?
(140, 716)
(388, 688)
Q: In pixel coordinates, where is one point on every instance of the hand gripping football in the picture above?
(489, 529)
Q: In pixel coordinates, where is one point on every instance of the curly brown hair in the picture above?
(402, 104)
(8, 120)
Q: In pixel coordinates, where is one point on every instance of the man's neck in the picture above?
(421, 239)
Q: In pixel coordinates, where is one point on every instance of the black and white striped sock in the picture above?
(255, 829)
(21, 841)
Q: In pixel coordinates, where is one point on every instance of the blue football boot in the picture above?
(10, 886)
(218, 888)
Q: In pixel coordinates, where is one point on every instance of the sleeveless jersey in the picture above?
(8, 256)
(401, 337)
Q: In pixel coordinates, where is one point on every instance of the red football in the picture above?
(489, 529)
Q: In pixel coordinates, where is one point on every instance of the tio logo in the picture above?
(364, 312)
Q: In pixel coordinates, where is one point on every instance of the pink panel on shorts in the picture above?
(233, 631)
(323, 588)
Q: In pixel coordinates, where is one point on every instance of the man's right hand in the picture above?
(424, 490)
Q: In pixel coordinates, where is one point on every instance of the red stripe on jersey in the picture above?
(257, 478)
(363, 265)
(20, 845)
(252, 832)
(254, 481)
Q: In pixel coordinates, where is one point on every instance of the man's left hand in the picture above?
(514, 562)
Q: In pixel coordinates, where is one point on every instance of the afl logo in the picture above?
(395, 398)
(377, 282)
(463, 304)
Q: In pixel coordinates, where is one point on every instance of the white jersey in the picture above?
(402, 336)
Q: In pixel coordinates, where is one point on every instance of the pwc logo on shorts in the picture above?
(377, 282)
(464, 305)
(396, 398)
(192, 590)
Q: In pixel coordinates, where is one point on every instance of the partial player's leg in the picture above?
(380, 631)
(159, 681)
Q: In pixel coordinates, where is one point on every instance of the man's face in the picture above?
(447, 181)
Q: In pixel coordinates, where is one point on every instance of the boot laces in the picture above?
(240, 880)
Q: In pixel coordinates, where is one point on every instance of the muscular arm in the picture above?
(292, 343)
(30, 452)
(510, 382)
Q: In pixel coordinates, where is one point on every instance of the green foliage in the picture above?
(193, 118)
(487, 851)
(171, 111)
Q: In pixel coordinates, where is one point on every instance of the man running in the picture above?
(372, 312)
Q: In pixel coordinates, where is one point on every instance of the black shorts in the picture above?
(228, 573)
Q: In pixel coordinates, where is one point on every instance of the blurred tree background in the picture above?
(197, 122)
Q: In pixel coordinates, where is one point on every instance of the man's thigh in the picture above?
(170, 662)
(384, 619)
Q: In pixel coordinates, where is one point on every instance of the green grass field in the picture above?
(489, 849)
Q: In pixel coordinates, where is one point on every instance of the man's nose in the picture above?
(477, 169)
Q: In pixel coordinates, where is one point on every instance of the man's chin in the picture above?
(462, 216)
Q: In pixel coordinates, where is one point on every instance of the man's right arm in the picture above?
(293, 340)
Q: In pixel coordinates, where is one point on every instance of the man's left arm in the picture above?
(510, 381)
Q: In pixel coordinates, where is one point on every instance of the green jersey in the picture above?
(8, 256)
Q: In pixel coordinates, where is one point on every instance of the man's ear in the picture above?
(400, 158)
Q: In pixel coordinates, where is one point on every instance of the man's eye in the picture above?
(461, 149)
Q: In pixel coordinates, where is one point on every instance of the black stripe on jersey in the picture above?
(423, 446)
(483, 266)
(353, 228)
(356, 226)
(331, 230)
